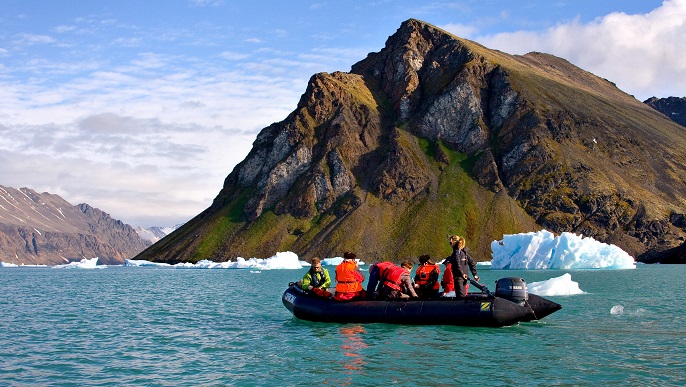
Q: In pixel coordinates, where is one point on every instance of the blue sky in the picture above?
(142, 108)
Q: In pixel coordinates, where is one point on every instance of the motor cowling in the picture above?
(513, 289)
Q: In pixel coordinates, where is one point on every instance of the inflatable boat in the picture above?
(510, 305)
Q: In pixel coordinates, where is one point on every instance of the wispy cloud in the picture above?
(206, 3)
(63, 29)
(30, 39)
(127, 42)
(134, 137)
(234, 56)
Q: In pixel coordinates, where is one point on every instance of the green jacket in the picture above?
(324, 281)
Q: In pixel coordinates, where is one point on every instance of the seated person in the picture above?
(317, 279)
(426, 278)
(348, 279)
(393, 281)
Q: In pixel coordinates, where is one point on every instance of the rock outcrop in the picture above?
(672, 107)
(435, 134)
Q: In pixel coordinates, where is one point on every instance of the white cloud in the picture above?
(62, 29)
(643, 54)
(127, 42)
(34, 39)
(143, 171)
(460, 30)
(149, 60)
(234, 56)
(149, 142)
(206, 3)
(142, 194)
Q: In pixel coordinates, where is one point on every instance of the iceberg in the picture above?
(544, 250)
(86, 263)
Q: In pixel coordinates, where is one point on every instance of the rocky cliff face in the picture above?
(436, 134)
(672, 107)
(45, 229)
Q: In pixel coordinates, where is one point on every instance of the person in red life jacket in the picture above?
(461, 263)
(317, 279)
(426, 278)
(374, 270)
(394, 281)
(348, 279)
(447, 280)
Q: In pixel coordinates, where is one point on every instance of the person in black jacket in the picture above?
(461, 263)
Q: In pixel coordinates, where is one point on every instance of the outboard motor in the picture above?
(513, 289)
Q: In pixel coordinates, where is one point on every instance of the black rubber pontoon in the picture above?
(477, 309)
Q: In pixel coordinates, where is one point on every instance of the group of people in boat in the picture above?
(389, 281)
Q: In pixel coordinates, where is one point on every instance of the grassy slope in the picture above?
(378, 229)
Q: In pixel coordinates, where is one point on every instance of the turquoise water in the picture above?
(166, 326)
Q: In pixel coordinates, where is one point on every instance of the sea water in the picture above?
(156, 326)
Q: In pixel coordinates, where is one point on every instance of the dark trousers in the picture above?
(461, 287)
(373, 281)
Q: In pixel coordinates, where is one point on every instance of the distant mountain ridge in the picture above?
(43, 228)
(435, 134)
(155, 233)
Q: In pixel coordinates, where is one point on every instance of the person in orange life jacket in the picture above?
(447, 280)
(426, 278)
(394, 281)
(317, 279)
(348, 279)
(461, 262)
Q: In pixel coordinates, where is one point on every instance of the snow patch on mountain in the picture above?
(153, 234)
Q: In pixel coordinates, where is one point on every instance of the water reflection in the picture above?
(352, 346)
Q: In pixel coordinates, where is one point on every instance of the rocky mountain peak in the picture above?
(436, 134)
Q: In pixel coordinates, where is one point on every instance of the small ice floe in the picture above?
(335, 261)
(5, 264)
(256, 271)
(617, 309)
(558, 286)
(141, 262)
